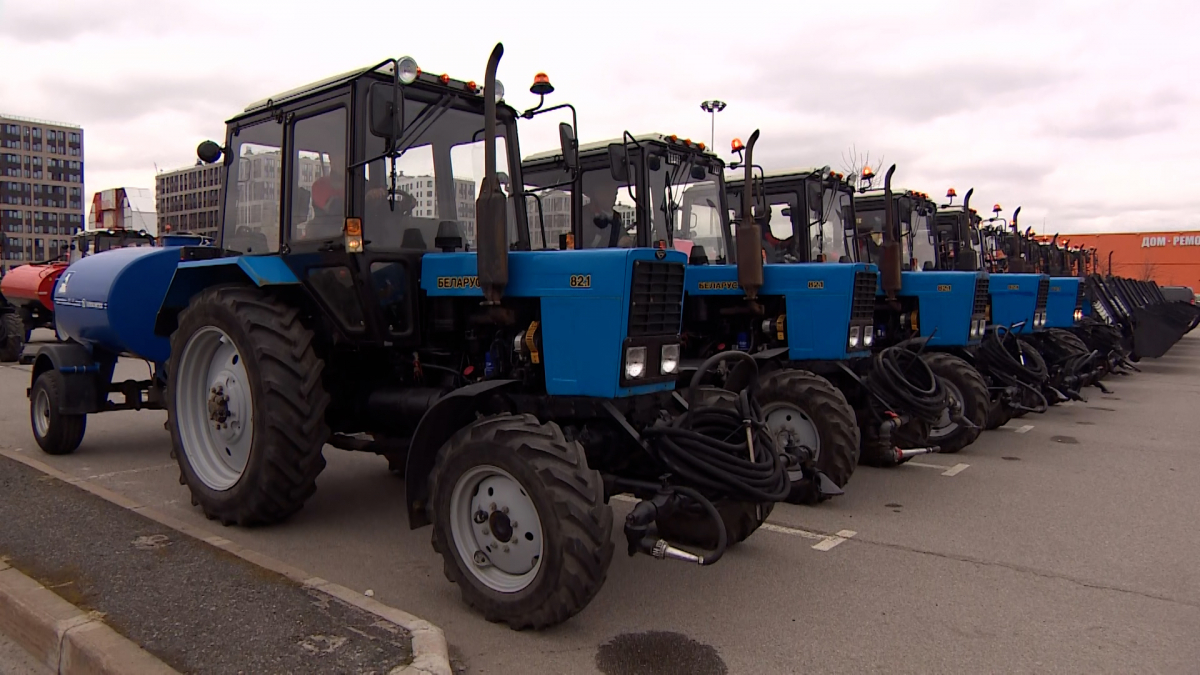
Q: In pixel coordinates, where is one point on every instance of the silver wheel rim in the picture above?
(214, 408)
(41, 413)
(496, 529)
(791, 426)
(945, 426)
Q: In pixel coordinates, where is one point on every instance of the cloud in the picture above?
(63, 21)
(1119, 118)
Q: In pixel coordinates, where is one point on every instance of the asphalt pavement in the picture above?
(1063, 542)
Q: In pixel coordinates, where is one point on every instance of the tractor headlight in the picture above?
(635, 362)
(982, 327)
(854, 336)
(868, 336)
(669, 361)
(407, 70)
(974, 331)
(1079, 315)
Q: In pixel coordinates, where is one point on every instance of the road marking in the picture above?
(946, 470)
(1019, 430)
(825, 542)
(1067, 404)
(110, 474)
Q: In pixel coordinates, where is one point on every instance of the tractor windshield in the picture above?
(438, 177)
(922, 244)
(670, 175)
(829, 220)
(868, 231)
(701, 222)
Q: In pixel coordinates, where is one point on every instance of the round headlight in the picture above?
(499, 91)
(407, 69)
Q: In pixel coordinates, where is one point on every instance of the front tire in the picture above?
(805, 408)
(245, 406)
(520, 521)
(56, 433)
(12, 336)
(966, 385)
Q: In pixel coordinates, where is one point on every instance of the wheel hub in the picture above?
(496, 528)
(793, 428)
(216, 419)
(945, 426)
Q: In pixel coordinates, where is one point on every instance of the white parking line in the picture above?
(1019, 430)
(825, 542)
(946, 470)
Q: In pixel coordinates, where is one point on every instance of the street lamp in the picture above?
(712, 108)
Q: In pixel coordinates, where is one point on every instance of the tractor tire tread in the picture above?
(972, 385)
(825, 405)
(66, 431)
(576, 494)
(12, 336)
(292, 391)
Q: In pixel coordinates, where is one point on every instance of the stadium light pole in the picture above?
(712, 108)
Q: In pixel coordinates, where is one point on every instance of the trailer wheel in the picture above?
(803, 408)
(520, 521)
(12, 336)
(966, 385)
(245, 406)
(56, 433)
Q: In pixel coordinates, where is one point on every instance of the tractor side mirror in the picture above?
(209, 152)
(699, 173)
(618, 163)
(654, 163)
(570, 150)
(386, 120)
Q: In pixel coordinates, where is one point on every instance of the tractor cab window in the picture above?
(670, 175)
(548, 203)
(438, 176)
(777, 220)
(251, 222)
(922, 242)
(829, 220)
(318, 180)
(609, 216)
(868, 233)
(700, 221)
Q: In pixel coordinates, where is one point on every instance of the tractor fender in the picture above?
(83, 389)
(194, 276)
(444, 419)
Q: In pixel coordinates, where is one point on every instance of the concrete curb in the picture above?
(431, 655)
(66, 639)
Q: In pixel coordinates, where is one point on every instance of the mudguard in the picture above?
(83, 386)
(451, 413)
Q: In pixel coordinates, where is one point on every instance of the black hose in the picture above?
(722, 535)
(709, 447)
(904, 383)
(1000, 355)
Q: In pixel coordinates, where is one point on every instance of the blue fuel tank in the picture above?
(110, 300)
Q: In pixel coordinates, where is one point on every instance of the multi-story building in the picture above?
(123, 209)
(189, 199)
(41, 189)
(421, 188)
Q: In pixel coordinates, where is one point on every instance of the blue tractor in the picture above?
(668, 193)
(375, 288)
(923, 301)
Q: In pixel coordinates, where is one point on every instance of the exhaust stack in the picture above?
(1016, 259)
(889, 258)
(749, 234)
(490, 207)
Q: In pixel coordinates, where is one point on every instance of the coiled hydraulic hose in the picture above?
(722, 450)
(903, 382)
(1000, 354)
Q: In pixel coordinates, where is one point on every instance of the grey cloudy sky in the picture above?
(1084, 113)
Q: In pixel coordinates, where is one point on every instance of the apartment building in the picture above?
(41, 189)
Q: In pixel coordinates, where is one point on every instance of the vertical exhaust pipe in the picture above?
(1016, 263)
(889, 258)
(749, 234)
(491, 232)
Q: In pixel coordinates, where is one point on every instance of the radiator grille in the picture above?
(656, 298)
(1043, 292)
(862, 306)
(1079, 298)
(981, 297)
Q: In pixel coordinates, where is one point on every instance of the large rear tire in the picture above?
(12, 336)
(520, 521)
(56, 433)
(245, 406)
(967, 386)
(803, 407)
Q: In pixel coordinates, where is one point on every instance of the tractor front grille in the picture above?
(862, 306)
(1043, 292)
(981, 297)
(656, 298)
